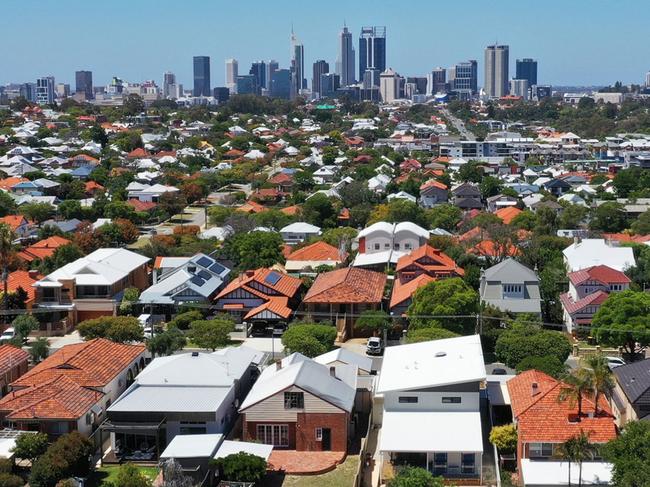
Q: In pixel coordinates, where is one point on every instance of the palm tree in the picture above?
(574, 387)
(601, 378)
(582, 450)
(567, 450)
(7, 236)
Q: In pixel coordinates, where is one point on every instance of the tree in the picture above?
(451, 298)
(504, 438)
(254, 249)
(98, 134)
(37, 212)
(549, 364)
(623, 320)
(376, 321)
(407, 476)
(61, 256)
(309, 339)
(600, 376)
(212, 334)
(128, 475)
(24, 324)
(10, 480)
(472, 172)
(608, 217)
(399, 211)
(39, 349)
(173, 475)
(120, 329)
(574, 388)
(171, 203)
(68, 456)
(526, 220)
(182, 321)
(241, 467)
(7, 236)
(133, 104)
(428, 334)
(219, 214)
(572, 216)
(577, 450)
(641, 226)
(523, 340)
(30, 446)
(630, 455)
(167, 342)
(7, 204)
(129, 298)
(318, 210)
(444, 216)
(490, 186)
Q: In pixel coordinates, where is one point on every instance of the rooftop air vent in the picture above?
(195, 354)
(441, 354)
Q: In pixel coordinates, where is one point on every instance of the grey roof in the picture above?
(193, 446)
(170, 399)
(528, 305)
(510, 271)
(634, 379)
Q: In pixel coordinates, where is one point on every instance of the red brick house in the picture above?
(299, 404)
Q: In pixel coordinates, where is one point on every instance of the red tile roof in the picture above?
(348, 285)
(10, 357)
(251, 207)
(94, 363)
(403, 291)
(542, 417)
(281, 178)
(317, 251)
(138, 205)
(286, 286)
(432, 184)
(599, 273)
(429, 260)
(43, 248)
(290, 210)
(136, 153)
(593, 299)
(93, 186)
(22, 279)
(276, 305)
(8, 183)
(624, 237)
(14, 221)
(507, 214)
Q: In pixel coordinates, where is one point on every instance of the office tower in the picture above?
(232, 71)
(647, 79)
(62, 90)
(258, 69)
(116, 87)
(221, 94)
(539, 92)
(345, 60)
(297, 66)
(388, 86)
(329, 83)
(169, 83)
(201, 76)
(437, 81)
(271, 67)
(372, 54)
(84, 84)
(281, 80)
(527, 69)
(28, 91)
(320, 67)
(247, 85)
(496, 71)
(519, 87)
(465, 78)
(45, 90)
(420, 83)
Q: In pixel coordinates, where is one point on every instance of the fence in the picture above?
(363, 450)
(584, 352)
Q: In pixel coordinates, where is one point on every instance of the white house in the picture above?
(588, 252)
(431, 407)
(298, 232)
(382, 243)
(146, 192)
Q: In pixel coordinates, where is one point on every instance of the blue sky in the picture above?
(574, 41)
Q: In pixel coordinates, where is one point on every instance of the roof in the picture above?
(542, 417)
(427, 431)
(549, 473)
(284, 284)
(596, 298)
(507, 214)
(431, 260)
(318, 251)
(43, 248)
(510, 271)
(403, 291)
(304, 373)
(229, 447)
(634, 379)
(590, 252)
(432, 364)
(193, 446)
(14, 221)
(345, 356)
(10, 357)
(347, 285)
(94, 363)
(300, 227)
(599, 273)
(432, 184)
(24, 280)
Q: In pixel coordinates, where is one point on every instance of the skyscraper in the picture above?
(281, 83)
(527, 69)
(169, 84)
(519, 87)
(232, 71)
(329, 83)
(202, 76)
(297, 66)
(45, 90)
(438, 81)
(271, 67)
(496, 71)
(258, 69)
(320, 67)
(388, 86)
(372, 54)
(247, 85)
(465, 79)
(84, 84)
(345, 60)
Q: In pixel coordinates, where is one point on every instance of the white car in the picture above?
(8, 335)
(614, 362)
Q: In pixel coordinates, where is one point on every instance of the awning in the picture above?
(545, 473)
(426, 431)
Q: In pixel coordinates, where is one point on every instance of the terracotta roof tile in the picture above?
(43, 248)
(22, 279)
(600, 273)
(348, 285)
(430, 260)
(403, 291)
(507, 214)
(11, 356)
(317, 251)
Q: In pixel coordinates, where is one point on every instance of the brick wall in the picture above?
(250, 431)
(306, 430)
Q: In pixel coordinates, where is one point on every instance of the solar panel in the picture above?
(217, 268)
(197, 281)
(204, 262)
(272, 278)
(205, 275)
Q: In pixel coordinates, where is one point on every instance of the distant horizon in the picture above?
(144, 39)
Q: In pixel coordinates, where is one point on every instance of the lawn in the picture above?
(342, 476)
(103, 475)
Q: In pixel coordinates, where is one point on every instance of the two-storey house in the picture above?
(433, 193)
(511, 286)
(383, 243)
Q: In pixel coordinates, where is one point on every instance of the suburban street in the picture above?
(458, 125)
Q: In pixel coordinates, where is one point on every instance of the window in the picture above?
(407, 246)
(376, 246)
(273, 434)
(537, 450)
(319, 434)
(193, 428)
(407, 399)
(512, 288)
(468, 463)
(387, 246)
(294, 400)
(616, 287)
(439, 463)
(396, 246)
(451, 400)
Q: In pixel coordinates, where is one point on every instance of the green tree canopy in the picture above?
(623, 320)
(242, 467)
(428, 334)
(167, 342)
(523, 340)
(608, 217)
(630, 455)
(212, 334)
(444, 216)
(120, 329)
(254, 249)
(30, 446)
(504, 438)
(414, 477)
(549, 364)
(309, 339)
(68, 456)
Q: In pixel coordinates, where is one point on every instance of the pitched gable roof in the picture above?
(429, 259)
(599, 273)
(348, 285)
(403, 291)
(507, 214)
(318, 251)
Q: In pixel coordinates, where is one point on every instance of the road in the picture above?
(458, 124)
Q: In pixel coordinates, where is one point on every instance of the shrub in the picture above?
(242, 467)
(30, 446)
(504, 438)
(309, 339)
(427, 334)
(549, 364)
(66, 457)
(119, 329)
(522, 341)
(182, 321)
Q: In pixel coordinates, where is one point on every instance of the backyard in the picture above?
(104, 475)
(342, 476)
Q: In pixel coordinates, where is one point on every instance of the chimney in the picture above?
(33, 273)
(278, 365)
(333, 371)
(534, 389)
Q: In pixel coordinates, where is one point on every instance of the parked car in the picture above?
(614, 362)
(8, 335)
(375, 346)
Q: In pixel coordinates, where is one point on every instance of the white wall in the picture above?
(431, 401)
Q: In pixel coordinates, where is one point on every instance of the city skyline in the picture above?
(413, 49)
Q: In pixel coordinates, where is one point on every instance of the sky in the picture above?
(576, 42)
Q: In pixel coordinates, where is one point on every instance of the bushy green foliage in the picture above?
(242, 467)
(623, 320)
(428, 334)
(310, 339)
(528, 340)
(66, 457)
(415, 477)
(212, 334)
(504, 438)
(253, 250)
(182, 321)
(630, 455)
(24, 324)
(548, 364)
(120, 329)
(30, 446)
(167, 342)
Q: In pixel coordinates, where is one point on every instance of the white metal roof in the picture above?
(429, 431)
(229, 447)
(544, 473)
(345, 356)
(432, 364)
(595, 251)
(193, 446)
(171, 399)
(300, 227)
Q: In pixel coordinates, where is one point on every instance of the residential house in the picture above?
(589, 252)
(42, 249)
(431, 408)
(260, 295)
(93, 285)
(13, 363)
(148, 192)
(557, 187)
(433, 193)
(313, 256)
(300, 404)
(299, 232)
(544, 423)
(588, 289)
(71, 389)
(24, 280)
(631, 394)
(383, 243)
(339, 296)
(188, 393)
(507, 214)
(512, 287)
(283, 182)
(19, 224)
(467, 196)
(500, 201)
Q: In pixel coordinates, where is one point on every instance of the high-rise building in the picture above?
(84, 84)
(647, 79)
(527, 69)
(247, 85)
(221, 94)
(258, 69)
(281, 83)
(345, 61)
(232, 71)
(496, 70)
(437, 81)
(62, 90)
(465, 78)
(201, 76)
(329, 83)
(372, 54)
(519, 87)
(271, 67)
(169, 82)
(388, 86)
(45, 90)
(297, 66)
(28, 91)
(320, 67)
(419, 84)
